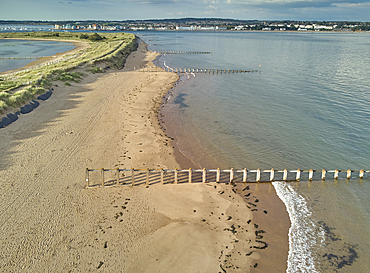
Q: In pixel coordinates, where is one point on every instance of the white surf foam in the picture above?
(304, 234)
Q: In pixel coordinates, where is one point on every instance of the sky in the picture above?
(300, 10)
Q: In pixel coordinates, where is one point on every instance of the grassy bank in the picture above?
(20, 87)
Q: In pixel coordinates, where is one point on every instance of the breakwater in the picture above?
(135, 177)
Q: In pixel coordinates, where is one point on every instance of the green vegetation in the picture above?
(20, 87)
(96, 69)
(67, 76)
(96, 37)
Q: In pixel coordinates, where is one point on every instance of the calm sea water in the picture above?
(26, 48)
(308, 107)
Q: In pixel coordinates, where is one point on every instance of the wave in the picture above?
(305, 235)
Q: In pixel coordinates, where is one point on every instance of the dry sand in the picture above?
(50, 223)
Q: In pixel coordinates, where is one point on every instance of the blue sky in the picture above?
(318, 10)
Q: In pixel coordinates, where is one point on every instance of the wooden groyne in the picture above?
(19, 58)
(181, 52)
(133, 177)
(193, 70)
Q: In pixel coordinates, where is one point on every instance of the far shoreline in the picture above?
(42, 60)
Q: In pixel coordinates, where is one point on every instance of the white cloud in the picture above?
(352, 5)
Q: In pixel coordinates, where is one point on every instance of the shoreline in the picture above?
(48, 222)
(271, 214)
(79, 45)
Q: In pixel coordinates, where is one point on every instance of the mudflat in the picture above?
(50, 222)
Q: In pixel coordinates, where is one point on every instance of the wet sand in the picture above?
(49, 222)
(269, 213)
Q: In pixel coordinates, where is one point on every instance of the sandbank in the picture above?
(79, 45)
(49, 222)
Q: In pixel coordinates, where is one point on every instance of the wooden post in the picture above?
(117, 170)
(310, 175)
(102, 177)
(285, 176)
(204, 176)
(87, 177)
(189, 175)
(323, 174)
(349, 174)
(175, 175)
(245, 175)
(133, 177)
(231, 175)
(258, 175)
(336, 174)
(147, 176)
(218, 174)
(298, 176)
(162, 180)
(361, 175)
(272, 175)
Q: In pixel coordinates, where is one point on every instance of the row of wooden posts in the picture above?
(192, 70)
(181, 52)
(19, 58)
(256, 178)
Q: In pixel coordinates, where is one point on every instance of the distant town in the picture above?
(199, 24)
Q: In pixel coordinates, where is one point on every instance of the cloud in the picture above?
(214, 2)
(270, 4)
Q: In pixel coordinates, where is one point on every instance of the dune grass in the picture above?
(110, 47)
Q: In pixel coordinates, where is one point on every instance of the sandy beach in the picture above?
(49, 222)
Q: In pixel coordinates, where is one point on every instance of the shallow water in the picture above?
(25, 48)
(307, 107)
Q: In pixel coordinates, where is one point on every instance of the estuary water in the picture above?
(306, 107)
(27, 51)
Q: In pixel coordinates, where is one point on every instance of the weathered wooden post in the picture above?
(258, 175)
(349, 174)
(102, 177)
(323, 174)
(244, 175)
(272, 175)
(310, 175)
(231, 175)
(162, 172)
(117, 173)
(189, 175)
(87, 177)
(133, 177)
(218, 174)
(147, 176)
(336, 174)
(285, 176)
(298, 176)
(204, 176)
(361, 175)
(175, 175)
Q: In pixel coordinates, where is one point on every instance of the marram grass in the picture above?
(112, 47)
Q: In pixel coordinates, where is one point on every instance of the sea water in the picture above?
(307, 106)
(29, 49)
